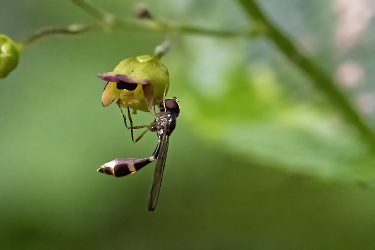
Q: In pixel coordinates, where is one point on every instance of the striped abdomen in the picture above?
(124, 166)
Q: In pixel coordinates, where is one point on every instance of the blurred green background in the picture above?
(259, 158)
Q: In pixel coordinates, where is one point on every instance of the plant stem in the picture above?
(154, 25)
(162, 49)
(92, 10)
(71, 30)
(157, 26)
(108, 21)
(318, 77)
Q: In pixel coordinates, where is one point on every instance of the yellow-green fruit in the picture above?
(147, 78)
(8, 55)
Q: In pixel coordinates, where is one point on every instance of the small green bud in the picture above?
(138, 83)
(9, 54)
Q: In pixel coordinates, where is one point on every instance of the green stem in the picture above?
(138, 25)
(107, 21)
(157, 26)
(71, 30)
(111, 21)
(319, 78)
(92, 10)
(215, 33)
(162, 49)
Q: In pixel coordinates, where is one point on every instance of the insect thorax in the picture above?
(165, 123)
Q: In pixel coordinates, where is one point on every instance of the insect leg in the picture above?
(136, 127)
(140, 137)
(131, 124)
(164, 95)
(123, 116)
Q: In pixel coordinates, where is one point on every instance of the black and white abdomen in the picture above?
(124, 166)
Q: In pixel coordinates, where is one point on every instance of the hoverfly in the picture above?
(141, 83)
(163, 125)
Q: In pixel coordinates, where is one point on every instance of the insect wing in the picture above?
(158, 176)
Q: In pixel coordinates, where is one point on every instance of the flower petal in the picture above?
(108, 77)
(110, 94)
(113, 77)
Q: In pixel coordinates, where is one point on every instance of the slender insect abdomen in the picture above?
(124, 166)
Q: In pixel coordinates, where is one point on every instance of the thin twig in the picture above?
(108, 21)
(150, 24)
(92, 10)
(71, 30)
(162, 49)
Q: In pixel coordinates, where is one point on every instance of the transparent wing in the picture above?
(158, 176)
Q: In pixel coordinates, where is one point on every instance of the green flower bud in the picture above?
(138, 83)
(9, 55)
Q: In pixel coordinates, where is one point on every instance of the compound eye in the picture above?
(125, 85)
(172, 106)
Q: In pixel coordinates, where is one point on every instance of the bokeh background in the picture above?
(259, 158)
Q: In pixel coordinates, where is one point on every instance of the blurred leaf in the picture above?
(253, 116)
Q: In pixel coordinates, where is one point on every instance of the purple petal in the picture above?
(113, 77)
(125, 78)
(108, 77)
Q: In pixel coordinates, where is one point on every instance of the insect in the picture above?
(164, 124)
